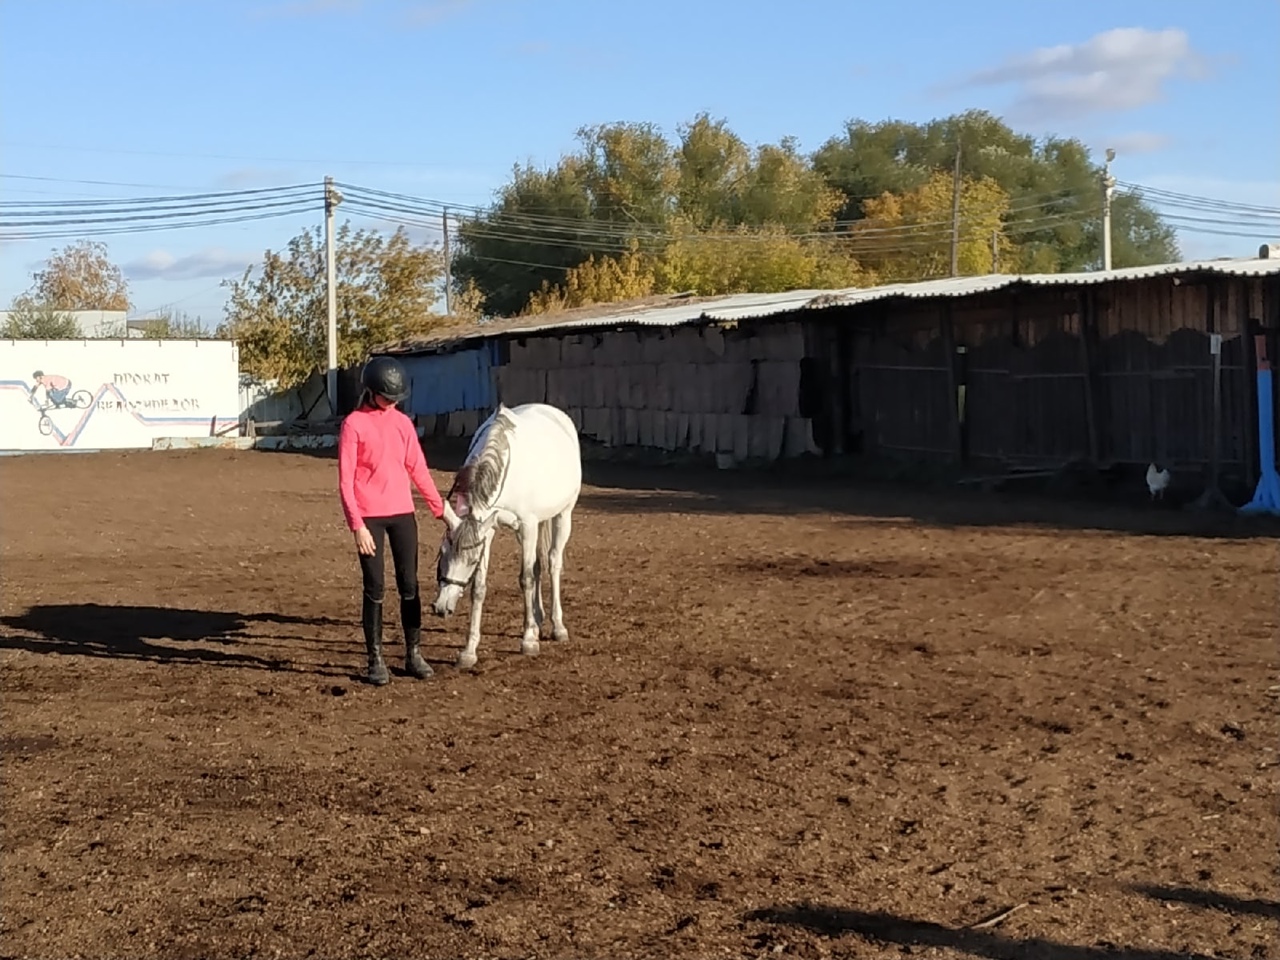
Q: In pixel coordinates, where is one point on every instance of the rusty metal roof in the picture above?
(670, 311)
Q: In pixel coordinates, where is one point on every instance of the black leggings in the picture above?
(402, 531)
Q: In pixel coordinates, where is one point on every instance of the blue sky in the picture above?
(439, 98)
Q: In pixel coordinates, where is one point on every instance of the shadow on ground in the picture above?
(626, 488)
(812, 486)
(1211, 900)
(129, 632)
(886, 929)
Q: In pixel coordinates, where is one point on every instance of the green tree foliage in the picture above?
(28, 321)
(386, 289)
(628, 184)
(1054, 188)
(629, 192)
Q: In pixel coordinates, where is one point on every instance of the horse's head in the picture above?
(461, 549)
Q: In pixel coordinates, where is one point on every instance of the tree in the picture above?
(1054, 188)
(723, 261)
(767, 259)
(386, 289)
(607, 280)
(628, 187)
(627, 184)
(169, 324)
(27, 321)
(79, 277)
(908, 236)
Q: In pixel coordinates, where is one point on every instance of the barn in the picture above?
(997, 373)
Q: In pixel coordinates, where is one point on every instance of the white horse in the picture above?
(523, 471)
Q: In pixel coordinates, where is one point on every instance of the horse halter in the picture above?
(449, 581)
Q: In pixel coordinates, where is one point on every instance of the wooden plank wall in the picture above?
(1117, 372)
(1113, 372)
(707, 389)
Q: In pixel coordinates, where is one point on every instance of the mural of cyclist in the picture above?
(56, 388)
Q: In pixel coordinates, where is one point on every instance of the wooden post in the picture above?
(953, 385)
(1084, 301)
(1248, 386)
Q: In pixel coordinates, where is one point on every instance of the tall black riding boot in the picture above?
(372, 620)
(411, 618)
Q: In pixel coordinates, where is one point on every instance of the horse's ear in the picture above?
(451, 518)
(460, 505)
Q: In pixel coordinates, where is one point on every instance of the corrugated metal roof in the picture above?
(746, 305)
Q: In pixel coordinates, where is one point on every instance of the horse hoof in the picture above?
(530, 648)
(561, 634)
(466, 661)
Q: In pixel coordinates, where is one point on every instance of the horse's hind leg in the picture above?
(561, 527)
(529, 587)
(539, 566)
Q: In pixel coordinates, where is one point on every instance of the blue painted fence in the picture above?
(444, 383)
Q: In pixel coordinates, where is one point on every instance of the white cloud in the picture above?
(1116, 70)
(211, 262)
(309, 8)
(1138, 142)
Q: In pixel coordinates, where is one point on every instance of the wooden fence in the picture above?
(1112, 373)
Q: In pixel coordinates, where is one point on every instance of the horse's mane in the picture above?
(481, 478)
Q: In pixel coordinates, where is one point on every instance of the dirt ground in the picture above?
(792, 719)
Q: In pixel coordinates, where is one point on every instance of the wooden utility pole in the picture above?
(448, 273)
(955, 214)
(331, 200)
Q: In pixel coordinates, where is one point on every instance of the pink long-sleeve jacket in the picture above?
(378, 456)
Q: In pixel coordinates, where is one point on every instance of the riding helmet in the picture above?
(385, 377)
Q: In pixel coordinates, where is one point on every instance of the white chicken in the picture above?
(1157, 481)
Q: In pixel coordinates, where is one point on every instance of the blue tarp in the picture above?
(443, 383)
(1266, 498)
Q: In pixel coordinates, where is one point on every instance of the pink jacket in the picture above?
(378, 456)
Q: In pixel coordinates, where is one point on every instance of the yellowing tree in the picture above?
(716, 262)
(754, 260)
(908, 236)
(387, 288)
(79, 277)
(607, 280)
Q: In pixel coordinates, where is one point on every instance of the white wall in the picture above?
(130, 392)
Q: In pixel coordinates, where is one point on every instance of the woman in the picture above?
(378, 456)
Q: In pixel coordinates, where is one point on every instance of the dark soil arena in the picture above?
(800, 719)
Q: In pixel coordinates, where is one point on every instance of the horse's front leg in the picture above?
(529, 586)
(479, 586)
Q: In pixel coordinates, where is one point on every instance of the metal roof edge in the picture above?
(743, 306)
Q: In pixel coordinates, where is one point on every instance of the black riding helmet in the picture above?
(385, 377)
